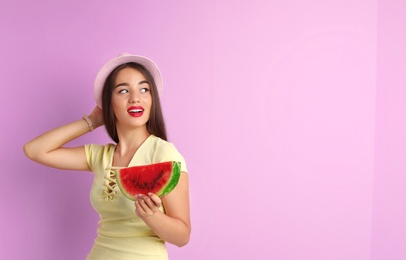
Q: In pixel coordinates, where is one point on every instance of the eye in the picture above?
(144, 90)
(123, 91)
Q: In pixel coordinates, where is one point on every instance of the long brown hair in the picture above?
(155, 124)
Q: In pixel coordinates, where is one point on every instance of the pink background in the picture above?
(290, 114)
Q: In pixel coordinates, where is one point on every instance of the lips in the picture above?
(135, 111)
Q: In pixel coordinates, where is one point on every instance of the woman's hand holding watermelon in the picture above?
(146, 206)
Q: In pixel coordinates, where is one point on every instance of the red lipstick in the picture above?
(135, 111)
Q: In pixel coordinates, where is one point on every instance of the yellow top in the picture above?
(117, 213)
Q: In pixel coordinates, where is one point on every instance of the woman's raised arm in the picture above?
(48, 149)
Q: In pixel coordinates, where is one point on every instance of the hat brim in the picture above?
(109, 66)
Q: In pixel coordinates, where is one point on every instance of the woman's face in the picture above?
(131, 98)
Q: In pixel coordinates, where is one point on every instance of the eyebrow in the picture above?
(126, 84)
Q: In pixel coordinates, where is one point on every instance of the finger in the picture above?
(157, 200)
(144, 206)
(137, 203)
(140, 196)
(139, 211)
(151, 204)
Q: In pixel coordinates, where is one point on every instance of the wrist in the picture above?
(89, 122)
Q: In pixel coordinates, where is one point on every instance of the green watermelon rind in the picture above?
(176, 170)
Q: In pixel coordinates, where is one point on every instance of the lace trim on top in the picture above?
(110, 183)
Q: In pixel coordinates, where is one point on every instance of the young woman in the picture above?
(127, 95)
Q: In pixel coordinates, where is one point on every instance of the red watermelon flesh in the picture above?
(159, 178)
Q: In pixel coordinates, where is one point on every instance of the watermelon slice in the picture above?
(159, 178)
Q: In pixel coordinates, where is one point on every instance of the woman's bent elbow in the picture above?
(33, 153)
(28, 151)
(184, 241)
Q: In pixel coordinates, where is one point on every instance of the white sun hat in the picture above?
(109, 66)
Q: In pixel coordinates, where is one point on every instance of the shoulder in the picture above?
(160, 146)
(98, 148)
(96, 152)
(166, 151)
(159, 143)
(98, 155)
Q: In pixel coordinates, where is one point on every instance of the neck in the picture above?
(131, 140)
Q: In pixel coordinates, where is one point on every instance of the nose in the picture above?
(134, 98)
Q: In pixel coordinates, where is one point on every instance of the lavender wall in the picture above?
(274, 104)
(389, 208)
